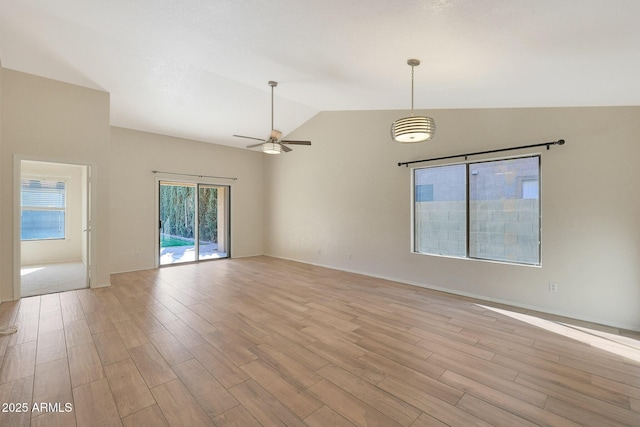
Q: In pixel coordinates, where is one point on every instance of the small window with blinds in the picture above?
(43, 209)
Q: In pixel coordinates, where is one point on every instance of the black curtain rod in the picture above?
(547, 144)
(197, 176)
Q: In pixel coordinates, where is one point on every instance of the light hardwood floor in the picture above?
(263, 341)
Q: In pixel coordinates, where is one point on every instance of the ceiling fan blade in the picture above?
(285, 141)
(255, 145)
(250, 137)
(285, 148)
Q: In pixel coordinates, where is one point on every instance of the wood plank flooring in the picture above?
(263, 341)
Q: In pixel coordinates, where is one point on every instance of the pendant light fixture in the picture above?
(415, 128)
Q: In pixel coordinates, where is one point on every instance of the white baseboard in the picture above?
(103, 285)
(479, 297)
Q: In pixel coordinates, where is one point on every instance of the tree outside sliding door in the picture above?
(193, 222)
(177, 222)
(212, 228)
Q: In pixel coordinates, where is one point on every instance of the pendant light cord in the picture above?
(413, 63)
(412, 67)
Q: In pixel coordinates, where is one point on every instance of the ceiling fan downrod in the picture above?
(272, 84)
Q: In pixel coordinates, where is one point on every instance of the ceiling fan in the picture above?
(274, 145)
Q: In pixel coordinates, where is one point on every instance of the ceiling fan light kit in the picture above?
(415, 128)
(273, 145)
(271, 148)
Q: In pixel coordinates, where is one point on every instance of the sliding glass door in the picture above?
(193, 222)
(212, 229)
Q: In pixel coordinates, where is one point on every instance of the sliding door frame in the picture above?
(160, 177)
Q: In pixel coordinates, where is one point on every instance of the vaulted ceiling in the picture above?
(199, 68)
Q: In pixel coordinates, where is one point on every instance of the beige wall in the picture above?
(47, 120)
(58, 250)
(134, 222)
(3, 208)
(344, 203)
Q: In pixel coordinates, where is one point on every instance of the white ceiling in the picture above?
(199, 68)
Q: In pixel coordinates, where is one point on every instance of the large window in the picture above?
(43, 204)
(486, 210)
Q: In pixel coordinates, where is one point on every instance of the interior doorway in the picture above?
(193, 221)
(54, 227)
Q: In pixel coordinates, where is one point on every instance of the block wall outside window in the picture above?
(440, 222)
(487, 210)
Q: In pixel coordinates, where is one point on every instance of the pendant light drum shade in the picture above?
(413, 129)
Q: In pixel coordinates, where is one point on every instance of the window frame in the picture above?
(64, 209)
(467, 163)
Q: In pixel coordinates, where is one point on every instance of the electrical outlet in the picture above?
(553, 287)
